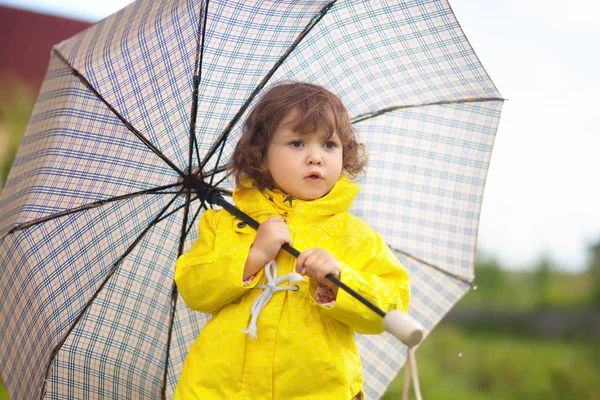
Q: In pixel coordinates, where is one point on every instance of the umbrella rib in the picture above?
(373, 114)
(212, 177)
(201, 35)
(186, 212)
(443, 271)
(221, 181)
(184, 231)
(104, 282)
(197, 79)
(174, 298)
(90, 206)
(217, 170)
(130, 127)
(311, 24)
(192, 221)
(174, 292)
(175, 210)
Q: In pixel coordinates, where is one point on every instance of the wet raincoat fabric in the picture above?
(304, 350)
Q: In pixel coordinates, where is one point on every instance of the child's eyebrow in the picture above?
(289, 133)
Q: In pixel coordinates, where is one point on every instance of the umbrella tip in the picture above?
(404, 327)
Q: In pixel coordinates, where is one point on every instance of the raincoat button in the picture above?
(241, 224)
(284, 220)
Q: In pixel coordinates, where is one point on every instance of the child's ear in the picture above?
(263, 159)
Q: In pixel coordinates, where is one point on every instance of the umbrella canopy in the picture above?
(94, 214)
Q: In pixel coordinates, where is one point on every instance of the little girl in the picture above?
(280, 329)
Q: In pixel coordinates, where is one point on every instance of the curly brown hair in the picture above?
(313, 108)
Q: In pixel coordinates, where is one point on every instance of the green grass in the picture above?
(456, 365)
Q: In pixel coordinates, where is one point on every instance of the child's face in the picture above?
(304, 166)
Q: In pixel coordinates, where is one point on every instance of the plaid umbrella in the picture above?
(94, 214)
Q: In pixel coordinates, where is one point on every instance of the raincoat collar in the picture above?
(273, 201)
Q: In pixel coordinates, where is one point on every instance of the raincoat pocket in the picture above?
(319, 361)
(342, 344)
(331, 348)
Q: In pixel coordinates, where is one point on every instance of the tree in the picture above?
(542, 276)
(490, 283)
(594, 273)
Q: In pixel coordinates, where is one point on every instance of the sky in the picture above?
(542, 197)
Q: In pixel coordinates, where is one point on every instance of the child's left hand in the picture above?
(317, 263)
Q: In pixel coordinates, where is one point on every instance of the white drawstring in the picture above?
(411, 366)
(269, 289)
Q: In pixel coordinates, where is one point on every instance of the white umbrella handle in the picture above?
(404, 327)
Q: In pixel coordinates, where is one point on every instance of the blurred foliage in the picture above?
(456, 364)
(542, 276)
(3, 394)
(546, 285)
(16, 104)
(594, 273)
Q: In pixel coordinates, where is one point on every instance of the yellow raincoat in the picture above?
(304, 350)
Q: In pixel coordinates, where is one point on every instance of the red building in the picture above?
(26, 39)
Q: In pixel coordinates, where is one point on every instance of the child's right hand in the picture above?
(271, 235)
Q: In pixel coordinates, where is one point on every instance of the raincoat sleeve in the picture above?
(373, 271)
(210, 275)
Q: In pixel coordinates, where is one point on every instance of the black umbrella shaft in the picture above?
(216, 198)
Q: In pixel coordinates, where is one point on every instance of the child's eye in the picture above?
(296, 143)
(330, 145)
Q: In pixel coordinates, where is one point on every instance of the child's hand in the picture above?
(271, 235)
(317, 263)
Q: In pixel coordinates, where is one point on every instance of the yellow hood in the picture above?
(255, 203)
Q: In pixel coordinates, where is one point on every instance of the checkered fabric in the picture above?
(91, 217)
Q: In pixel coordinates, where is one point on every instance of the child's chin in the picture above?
(312, 195)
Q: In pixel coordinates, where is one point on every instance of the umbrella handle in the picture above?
(402, 326)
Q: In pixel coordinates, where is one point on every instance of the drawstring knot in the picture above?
(269, 289)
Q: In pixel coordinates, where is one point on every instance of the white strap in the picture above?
(411, 366)
(269, 289)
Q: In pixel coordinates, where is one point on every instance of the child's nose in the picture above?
(314, 157)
